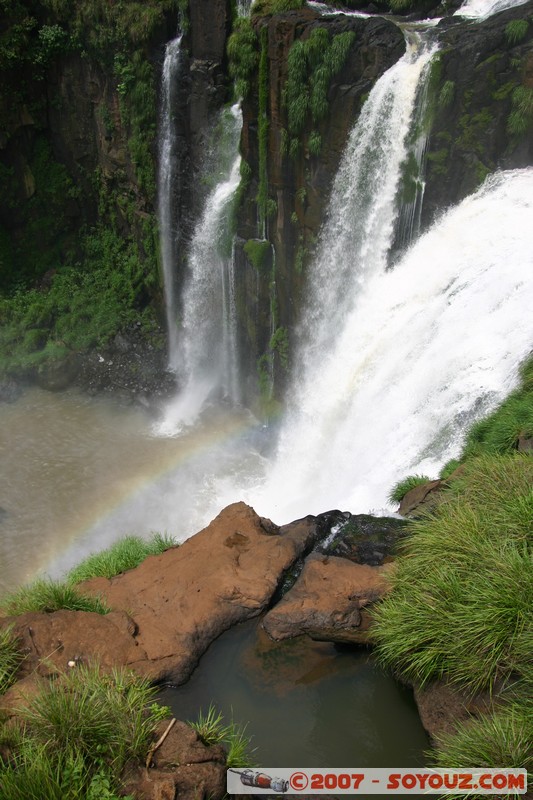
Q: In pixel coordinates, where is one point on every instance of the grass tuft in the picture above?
(516, 30)
(125, 554)
(461, 599)
(10, 658)
(501, 739)
(80, 732)
(211, 729)
(48, 596)
(400, 489)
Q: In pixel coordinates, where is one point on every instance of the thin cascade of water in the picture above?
(167, 176)
(208, 360)
(356, 236)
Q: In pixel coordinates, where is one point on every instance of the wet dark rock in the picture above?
(365, 539)
(10, 390)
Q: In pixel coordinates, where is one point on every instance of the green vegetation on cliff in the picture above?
(49, 596)
(79, 182)
(10, 658)
(400, 489)
(125, 554)
(312, 64)
(262, 8)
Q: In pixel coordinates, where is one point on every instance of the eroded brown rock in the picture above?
(182, 767)
(183, 599)
(424, 496)
(329, 601)
(442, 708)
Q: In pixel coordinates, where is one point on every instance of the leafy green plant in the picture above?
(466, 568)
(10, 658)
(48, 596)
(516, 30)
(124, 555)
(400, 489)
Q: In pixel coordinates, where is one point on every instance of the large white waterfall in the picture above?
(421, 351)
(166, 185)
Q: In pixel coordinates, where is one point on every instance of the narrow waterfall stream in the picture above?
(207, 359)
(166, 189)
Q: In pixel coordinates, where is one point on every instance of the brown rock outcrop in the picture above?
(420, 497)
(186, 597)
(329, 601)
(182, 767)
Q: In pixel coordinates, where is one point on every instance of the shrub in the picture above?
(516, 30)
(125, 554)
(400, 489)
(10, 658)
(48, 596)
(461, 602)
(210, 727)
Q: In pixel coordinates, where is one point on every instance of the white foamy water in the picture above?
(206, 360)
(482, 9)
(357, 234)
(422, 351)
(166, 178)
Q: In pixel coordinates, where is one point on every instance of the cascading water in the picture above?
(207, 360)
(166, 188)
(362, 210)
(424, 350)
(481, 9)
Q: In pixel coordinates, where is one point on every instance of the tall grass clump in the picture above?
(80, 732)
(212, 729)
(10, 658)
(461, 601)
(516, 30)
(501, 739)
(400, 489)
(48, 596)
(125, 554)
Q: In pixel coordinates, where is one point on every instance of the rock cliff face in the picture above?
(298, 178)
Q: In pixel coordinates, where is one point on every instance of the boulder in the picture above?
(420, 498)
(365, 539)
(185, 598)
(329, 601)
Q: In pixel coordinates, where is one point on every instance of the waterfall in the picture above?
(166, 189)
(359, 225)
(481, 9)
(423, 351)
(207, 361)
